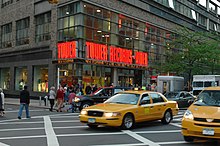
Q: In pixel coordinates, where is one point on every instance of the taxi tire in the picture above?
(167, 114)
(92, 126)
(128, 118)
(188, 138)
(84, 105)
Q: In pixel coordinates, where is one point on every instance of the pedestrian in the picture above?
(60, 98)
(24, 102)
(78, 92)
(2, 100)
(94, 88)
(71, 101)
(52, 96)
(88, 89)
(66, 94)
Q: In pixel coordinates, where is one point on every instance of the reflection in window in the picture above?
(43, 27)
(6, 35)
(5, 78)
(40, 79)
(203, 2)
(22, 28)
(20, 77)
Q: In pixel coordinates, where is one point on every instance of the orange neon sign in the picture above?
(96, 51)
(67, 50)
(120, 55)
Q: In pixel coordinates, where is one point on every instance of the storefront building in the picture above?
(101, 42)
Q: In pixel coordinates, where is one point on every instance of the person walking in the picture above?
(52, 96)
(60, 98)
(24, 102)
(88, 89)
(2, 100)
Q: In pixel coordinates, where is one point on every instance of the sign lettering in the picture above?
(96, 51)
(67, 50)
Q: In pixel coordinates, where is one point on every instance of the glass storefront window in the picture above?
(20, 77)
(40, 79)
(5, 78)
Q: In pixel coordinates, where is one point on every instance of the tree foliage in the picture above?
(193, 53)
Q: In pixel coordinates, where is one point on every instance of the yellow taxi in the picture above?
(129, 107)
(202, 119)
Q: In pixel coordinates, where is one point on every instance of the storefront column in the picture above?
(115, 76)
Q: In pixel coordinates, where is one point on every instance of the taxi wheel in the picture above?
(92, 126)
(167, 117)
(128, 121)
(188, 138)
(84, 105)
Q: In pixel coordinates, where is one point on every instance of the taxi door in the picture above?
(159, 105)
(145, 108)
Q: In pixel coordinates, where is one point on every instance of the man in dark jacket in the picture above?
(24, 102)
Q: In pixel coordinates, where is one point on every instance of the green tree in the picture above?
(192, 53)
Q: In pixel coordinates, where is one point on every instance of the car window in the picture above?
(118, 90)
(156, 98)
(145, 99)
(124, 98)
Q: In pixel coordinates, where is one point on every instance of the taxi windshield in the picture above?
(208, 98)
(124, 98)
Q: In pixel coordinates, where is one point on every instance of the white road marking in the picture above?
(177, 125)
(64, 117)
(39, 122)
(16, 111)
(148, 132)
(140, 138)
(178, 116)
(177, 119)
(51, 136)
(3, 144)
(20, 129)
(23, 137)
(134, 144)
(41, 128)
(172, 142)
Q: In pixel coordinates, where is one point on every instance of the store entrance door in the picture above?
(125, 81)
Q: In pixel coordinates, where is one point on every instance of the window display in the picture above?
(20, 77)
(5, 78)
(40, 78)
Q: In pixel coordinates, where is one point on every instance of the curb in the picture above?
(30, 105)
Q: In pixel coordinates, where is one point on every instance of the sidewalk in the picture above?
(33, 102)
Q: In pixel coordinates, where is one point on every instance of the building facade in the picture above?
(92, 41)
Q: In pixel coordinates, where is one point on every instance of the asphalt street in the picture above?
(64, 129)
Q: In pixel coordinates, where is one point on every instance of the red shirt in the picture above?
(60, 94)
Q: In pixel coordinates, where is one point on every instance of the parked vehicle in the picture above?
(202, 81)
(99, 96)
(183, 98)
(202, 119)
(129, 107)
(170, 84)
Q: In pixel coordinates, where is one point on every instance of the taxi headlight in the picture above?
(83, 112)
(112, 114)
(77, 99)
(188, 115)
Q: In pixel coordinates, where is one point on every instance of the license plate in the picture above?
(208, 132)
(91, 120)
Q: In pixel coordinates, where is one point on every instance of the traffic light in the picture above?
(53, 1)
